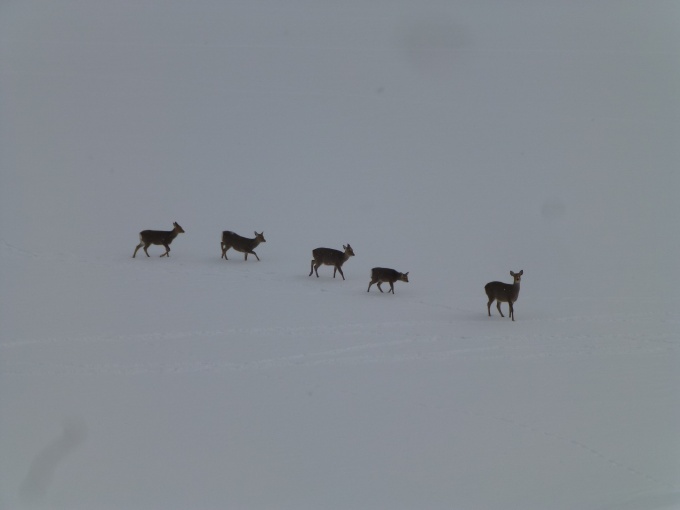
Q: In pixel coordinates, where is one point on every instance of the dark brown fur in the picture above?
(242, 244)
(160, 237)
(384, 274)
(504, 293)
(330, 257)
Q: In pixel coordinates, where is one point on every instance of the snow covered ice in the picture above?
(454, 140)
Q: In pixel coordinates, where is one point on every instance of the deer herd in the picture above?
(495, 291)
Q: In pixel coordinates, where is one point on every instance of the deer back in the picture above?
(332, 257)
(506, 292)
(385, 274)
(160, 236)
(240, 243)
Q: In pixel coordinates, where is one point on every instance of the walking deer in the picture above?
(242, 244)
(330, 257)
(384, 274)
(504, 293)
(160, 237)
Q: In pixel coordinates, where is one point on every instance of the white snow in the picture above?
(454, 140)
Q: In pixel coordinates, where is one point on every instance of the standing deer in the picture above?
(160, 237)
(383, 274)
(330, 257)
(239, 243)
(504, 293)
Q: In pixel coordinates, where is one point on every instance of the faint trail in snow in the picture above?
(559, 341)
(494, 347)
(45, 463)
(577, 444)
(15, 250)
(648, 501)
(278, 331)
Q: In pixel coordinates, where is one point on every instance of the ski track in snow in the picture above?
(361, 354)
(374, 347)
(581, 446)
(501, 347)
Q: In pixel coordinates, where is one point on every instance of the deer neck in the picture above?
(515, 291)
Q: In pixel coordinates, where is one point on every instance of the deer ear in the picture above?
(521, 272)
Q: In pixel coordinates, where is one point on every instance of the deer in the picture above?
(160, 237)
(384, 274)
(330, 257)
(242, 244)
(504, 293)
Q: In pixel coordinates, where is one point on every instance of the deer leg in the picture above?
(488, 306)
(512, 311)
(369, 285)
(258, 258)
(340, 270)
(379, 286)
(224, 251)
(391, 288)
(167, 251)
(145, 247)
(311, 270)
(498, 305)
(138, 247)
